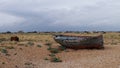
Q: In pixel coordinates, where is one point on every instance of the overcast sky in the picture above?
(59, 15)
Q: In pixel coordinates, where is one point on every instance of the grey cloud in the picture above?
(51, 15)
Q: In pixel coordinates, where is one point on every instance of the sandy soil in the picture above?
(33, 57)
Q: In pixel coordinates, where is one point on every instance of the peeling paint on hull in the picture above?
(80, 42)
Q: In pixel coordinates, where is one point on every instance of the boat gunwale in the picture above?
(76, 36)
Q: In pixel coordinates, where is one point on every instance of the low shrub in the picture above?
(46, 58)
(28, 63)
(10, 47)
(54, 50)
(49, 48)
(30, 43)
(62, 48)
(12, 42)
(52, 55)
(48, 44)
(2, 39)
(3, 50)
(46, 40)
(39, 46)
(55, 59)
(21, 44)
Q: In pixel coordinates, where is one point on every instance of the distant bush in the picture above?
(8, 32)
(20, 31)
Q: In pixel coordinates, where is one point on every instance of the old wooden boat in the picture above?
(80, 42)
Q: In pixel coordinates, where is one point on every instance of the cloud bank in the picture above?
(54, 15)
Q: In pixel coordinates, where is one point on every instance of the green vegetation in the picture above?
(10, 47)
(46, 40)
(55, 59)
(52, 55)
(46, 58)
(62, 48)
(7, 47)
(3, 50)
(39, 45)
(2, 39)
(49, 48)
(30, 43)
(54, 50)
(28, 63)
(21, 44)
(48, 44)
(12, 42)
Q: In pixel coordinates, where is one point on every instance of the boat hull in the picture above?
(80, 42)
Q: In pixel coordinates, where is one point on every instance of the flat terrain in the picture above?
(31, 52)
